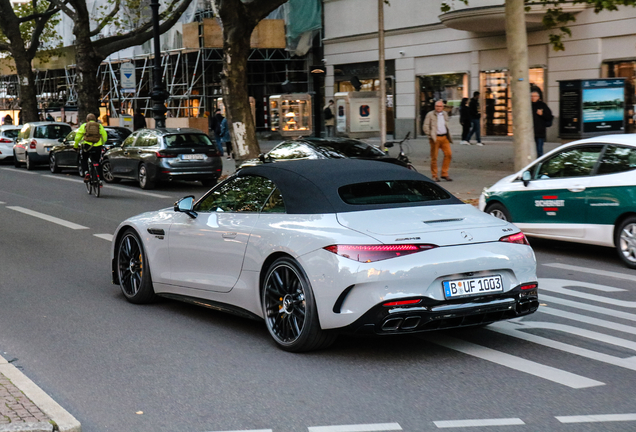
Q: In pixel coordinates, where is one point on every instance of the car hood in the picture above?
(504, 180)
(442, 225)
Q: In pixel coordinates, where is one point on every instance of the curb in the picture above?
(61, 420)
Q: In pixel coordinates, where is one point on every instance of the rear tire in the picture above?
(16, 163)
(499, 211)
(29, 163)
(53, 164)
(144, 181)
(133, 271)
(290, 309)
(625, 241)
(95, 182)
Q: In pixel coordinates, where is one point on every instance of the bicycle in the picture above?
(93, 185)
(402, 157)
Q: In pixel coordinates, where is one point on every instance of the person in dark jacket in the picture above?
(216, 122)
(139, 120)
(225, 137)
(541, 118)
(475, 119)
(464, 120)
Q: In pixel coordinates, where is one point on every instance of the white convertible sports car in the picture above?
(317, 248)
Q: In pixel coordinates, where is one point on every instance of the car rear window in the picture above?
(11, 133)
(188, 140)
(391, 192)
(118, 134)
(51, 131)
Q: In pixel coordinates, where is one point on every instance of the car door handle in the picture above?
(229, 235)
(577, 189)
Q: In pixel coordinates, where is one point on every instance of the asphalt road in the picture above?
(177, 367)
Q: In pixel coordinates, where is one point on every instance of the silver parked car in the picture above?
(320, 247)
(8, 134)
(36, 140)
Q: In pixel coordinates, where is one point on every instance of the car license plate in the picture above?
(192, 156)
(473, 286)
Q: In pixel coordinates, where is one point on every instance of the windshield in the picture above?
(188, 140)
(391, 192)
(51, 131)
(350, 148)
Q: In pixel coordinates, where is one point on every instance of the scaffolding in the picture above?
(192, 78)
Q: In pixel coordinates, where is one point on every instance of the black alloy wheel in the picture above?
(625, 240)
(108, 172)
(16, 163)
(53, 164)
(290, 309)
(499, 211)
(132, 269)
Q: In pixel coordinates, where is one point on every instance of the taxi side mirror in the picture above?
(526, 176)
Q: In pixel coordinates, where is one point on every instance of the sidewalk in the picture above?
(25, 407)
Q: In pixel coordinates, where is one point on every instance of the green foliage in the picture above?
(556, 18)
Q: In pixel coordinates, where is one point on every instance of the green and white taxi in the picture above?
(583, 191)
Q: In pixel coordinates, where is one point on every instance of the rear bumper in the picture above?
(37, 158)
(436, 315)
(190, 175)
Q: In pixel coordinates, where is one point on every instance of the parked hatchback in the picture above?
(152, 155)
(36, 140)
(8, 134)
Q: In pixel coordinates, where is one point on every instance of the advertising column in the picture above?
(603, 105)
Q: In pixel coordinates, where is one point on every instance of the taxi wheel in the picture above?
(625, 240)
(499, 211)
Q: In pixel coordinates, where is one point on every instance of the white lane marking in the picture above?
(57, 177)
(357, 428)
(140, 192)
(441, 424)
(514, 331)
(250, 430)
(2, 202)
(592, 271)
(109, 186)
(596, 418)
(556, 286)
(562, 283)
(588, 320)
(591, 308)
(549, 373)
(107, 237)
(19, 171)
(48, 218)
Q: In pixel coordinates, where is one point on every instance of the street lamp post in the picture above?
(159, 94)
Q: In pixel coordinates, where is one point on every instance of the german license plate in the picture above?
(473, 286)
(192, 156)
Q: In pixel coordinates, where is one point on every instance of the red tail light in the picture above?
(402, 302)
(518, 238)
(214, 153)
(6, 140)
(370, 253)
(161, 154)
(529, 286)
(33, 144)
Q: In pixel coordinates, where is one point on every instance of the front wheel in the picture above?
(625, 241)
(108, 173)
(16, 162)
(290, 310)
(499, 211)
(95, 181)
(133, 271)
(53, 164)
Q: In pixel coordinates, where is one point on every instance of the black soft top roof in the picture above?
(311, 186)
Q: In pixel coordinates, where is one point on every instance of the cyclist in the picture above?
(92, 136)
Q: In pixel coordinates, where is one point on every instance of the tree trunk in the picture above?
(522, 127)
(28, 96)
(236, 49)
(87, 62)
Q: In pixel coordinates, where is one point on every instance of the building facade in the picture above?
(432, 55)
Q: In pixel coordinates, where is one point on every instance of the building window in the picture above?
(624, 69)
(450, 88)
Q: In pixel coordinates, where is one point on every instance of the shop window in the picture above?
(624, 69)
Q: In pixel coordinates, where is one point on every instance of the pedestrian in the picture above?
(7, 120)
(464, 120)
(225, 137)
(139, 120)
(475, 119)
(542, 119)
(330, 118)
(218, 119)
(439, 137)
(49, 117)
(212, 129)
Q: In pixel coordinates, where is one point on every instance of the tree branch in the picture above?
(258, 10)
(5, 47)
(64, 8)
(39, 28)
(106, 19)
(112, 44)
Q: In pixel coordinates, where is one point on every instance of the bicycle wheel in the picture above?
(89, 184)
(95, 181)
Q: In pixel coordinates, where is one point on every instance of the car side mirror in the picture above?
(186, 205)
(526, 176)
